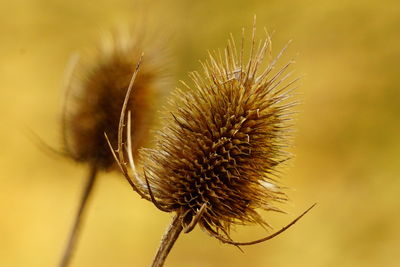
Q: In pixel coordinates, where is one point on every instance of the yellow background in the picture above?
(347, 144)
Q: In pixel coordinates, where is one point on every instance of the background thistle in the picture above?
(215, 163)
(97, 91)
(94, 98)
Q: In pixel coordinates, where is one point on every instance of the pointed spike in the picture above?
(224, 240)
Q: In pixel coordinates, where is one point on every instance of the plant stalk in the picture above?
(73, 236)
(168, 241)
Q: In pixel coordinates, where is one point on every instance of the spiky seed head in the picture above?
(224, 141)
(97, 91)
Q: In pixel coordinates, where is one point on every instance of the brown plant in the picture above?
(97, 91)
(216, 161)
(94, 96)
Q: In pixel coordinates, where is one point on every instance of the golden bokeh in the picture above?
(347, 149)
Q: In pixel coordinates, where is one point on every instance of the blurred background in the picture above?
(347, 148)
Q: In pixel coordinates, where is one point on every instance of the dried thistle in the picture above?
(216, 161)
(94, 97)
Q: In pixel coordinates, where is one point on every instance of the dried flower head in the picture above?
(224, 142)
(95, 94)
(216, 161)
(97, 91)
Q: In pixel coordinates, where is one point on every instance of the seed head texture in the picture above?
(224, 141)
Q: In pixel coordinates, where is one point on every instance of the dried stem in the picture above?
(79, 216)
(168, 241)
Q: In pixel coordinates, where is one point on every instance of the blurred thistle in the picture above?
(216, 161)
(95, 92)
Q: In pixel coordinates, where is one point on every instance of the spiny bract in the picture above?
(96, 94)
(226, 136)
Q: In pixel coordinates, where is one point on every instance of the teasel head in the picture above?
(96, 92)
(216, 162)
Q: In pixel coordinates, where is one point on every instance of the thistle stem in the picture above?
(168, 241)
(73, 236)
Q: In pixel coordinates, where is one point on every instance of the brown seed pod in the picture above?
(96, 93)
(223, 144)
(216, 161)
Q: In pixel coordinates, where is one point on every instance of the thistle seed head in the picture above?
(97, 91)
(217, 160)
(225, 139)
